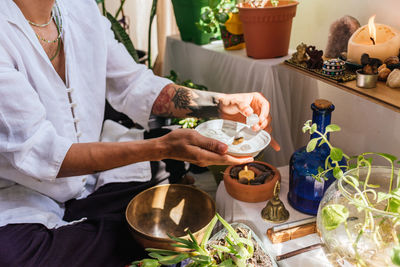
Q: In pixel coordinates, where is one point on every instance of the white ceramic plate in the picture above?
(225, 131)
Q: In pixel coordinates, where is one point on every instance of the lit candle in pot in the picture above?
(377, 40)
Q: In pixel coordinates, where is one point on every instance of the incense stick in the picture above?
(297, 252)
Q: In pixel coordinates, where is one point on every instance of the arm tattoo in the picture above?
(178, 101)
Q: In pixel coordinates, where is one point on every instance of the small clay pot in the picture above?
(267, 30)
(251, 193)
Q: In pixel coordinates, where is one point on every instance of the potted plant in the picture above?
(187, 13)
(267, 26)
(235, 245)
(359, 215)
(222, 16)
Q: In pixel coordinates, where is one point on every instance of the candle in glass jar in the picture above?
(376, 40)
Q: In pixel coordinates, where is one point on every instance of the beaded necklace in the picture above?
(42, 25)
(56, 15)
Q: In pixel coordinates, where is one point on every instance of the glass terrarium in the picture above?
(358, 218)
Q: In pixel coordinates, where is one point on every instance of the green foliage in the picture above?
(122, 36)
(363, 195)
(234, 254)
(333, 215)
(217, 12)
(396, 255)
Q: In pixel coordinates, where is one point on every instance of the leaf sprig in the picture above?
(235, 253)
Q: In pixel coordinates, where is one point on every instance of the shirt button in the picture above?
(76, 120)
(79, 134)
(84, 180)
(73, 105)
(70, 90)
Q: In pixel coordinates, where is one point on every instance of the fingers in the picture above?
(244, 108)
(210, 144)
(206, 158)
(275, 144)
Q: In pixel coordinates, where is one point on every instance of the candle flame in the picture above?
(372, 28)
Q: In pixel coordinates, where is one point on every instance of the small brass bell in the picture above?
(275, 210)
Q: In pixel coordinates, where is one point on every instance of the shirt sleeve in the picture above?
(27, 140)
(131, 88)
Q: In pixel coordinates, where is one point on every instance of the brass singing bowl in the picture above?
(169, 209)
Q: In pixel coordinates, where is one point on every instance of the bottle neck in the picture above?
(322, 117)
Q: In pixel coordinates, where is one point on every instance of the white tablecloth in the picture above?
(233, 72)
(250, 213)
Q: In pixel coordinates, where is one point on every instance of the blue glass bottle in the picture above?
(305, 192)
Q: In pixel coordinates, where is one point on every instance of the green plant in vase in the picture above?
(359, 216)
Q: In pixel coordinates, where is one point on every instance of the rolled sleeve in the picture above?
(27, 140)
(131, 88)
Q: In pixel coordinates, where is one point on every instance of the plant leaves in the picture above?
(174, 259)
(312, 144)
(208, 232)
(337, 172)
(323, 141)
(163, 252)
(395, 255)
(332, 128)
(146, 263)
(122, 37)
(383, 196)
(313, 128)
(222, 17)
(333, 215)
(336, 154)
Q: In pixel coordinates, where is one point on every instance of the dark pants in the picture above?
(102, 240)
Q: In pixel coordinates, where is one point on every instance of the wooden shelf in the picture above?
(382, 94)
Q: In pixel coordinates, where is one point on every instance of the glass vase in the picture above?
(305, 192)
(368, 236)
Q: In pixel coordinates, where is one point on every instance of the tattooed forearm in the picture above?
(179, 101)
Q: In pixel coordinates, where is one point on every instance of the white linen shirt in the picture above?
(37, 125)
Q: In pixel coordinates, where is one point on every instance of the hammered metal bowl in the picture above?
(171, 209)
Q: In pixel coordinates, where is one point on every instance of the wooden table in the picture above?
(382, 94)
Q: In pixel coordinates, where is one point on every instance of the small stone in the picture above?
(243, 181)
(234, 173)
(383, 73)
(392, 60)
(393, 79)
(259, 166)
(264, 176)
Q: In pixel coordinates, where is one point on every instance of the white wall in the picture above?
(366, 126)
(311, 24)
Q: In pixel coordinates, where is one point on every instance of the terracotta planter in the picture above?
(267, 30)
(251, 193)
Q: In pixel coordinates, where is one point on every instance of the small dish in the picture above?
(366, 81)
(225, 131)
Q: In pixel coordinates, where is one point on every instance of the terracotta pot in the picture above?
(251, 193)
(267, 30)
